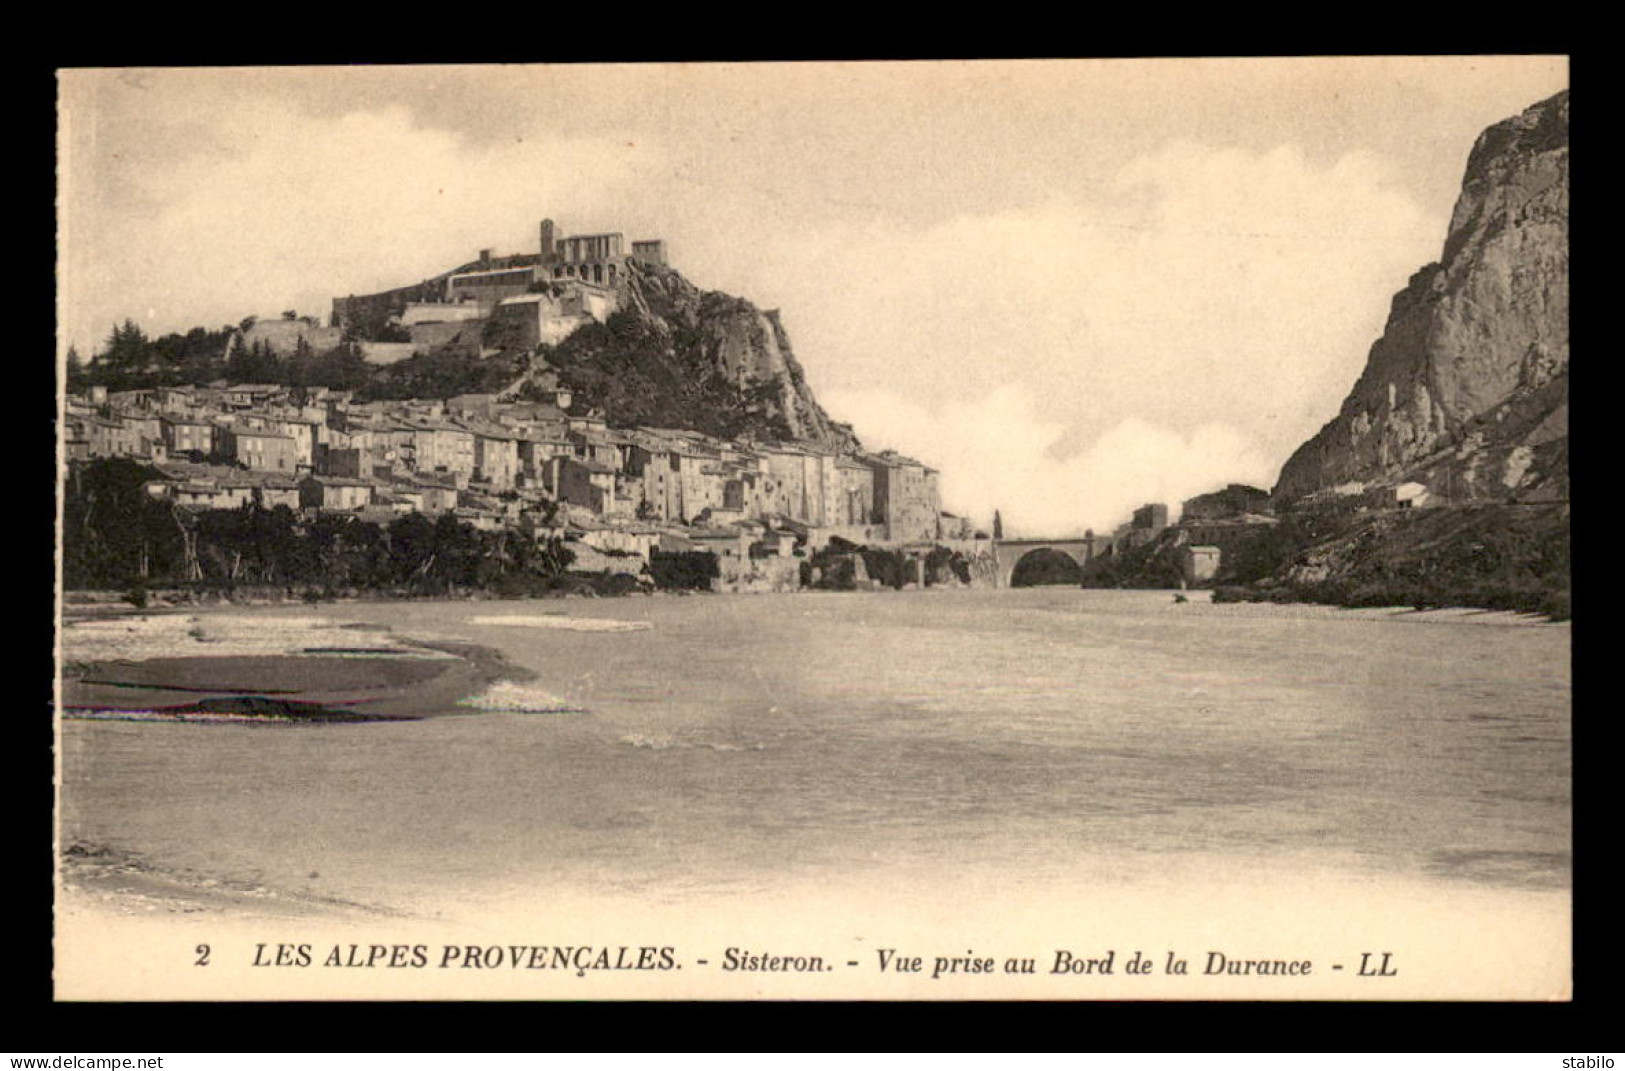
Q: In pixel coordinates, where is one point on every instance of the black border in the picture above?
(39, 1023)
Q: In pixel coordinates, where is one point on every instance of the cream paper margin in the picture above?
(1458, 948)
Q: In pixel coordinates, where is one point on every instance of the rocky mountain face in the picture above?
(728, 341)
(1467, 389)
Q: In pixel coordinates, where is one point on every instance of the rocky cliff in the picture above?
(1467, 389)
(701, 344)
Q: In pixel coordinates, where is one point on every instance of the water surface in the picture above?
(1005, 743)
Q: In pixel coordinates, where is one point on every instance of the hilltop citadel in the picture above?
(568, 282)
(531, 457)
(528, 457)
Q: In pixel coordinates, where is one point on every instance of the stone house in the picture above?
(270, 451)
(186, 434)
(906, 496)
(442, 447)
(584, 483)
(1413, 496)
(535, 449)
(1198, 564)
(198, 495)
(272, 490)
(496, 454)
(102, 437)
(334, 493)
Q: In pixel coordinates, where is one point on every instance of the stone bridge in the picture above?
(1008, 552)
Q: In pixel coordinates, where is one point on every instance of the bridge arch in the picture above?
(1046, 566)
(1009, 552)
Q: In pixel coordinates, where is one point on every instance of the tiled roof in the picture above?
(257, 433)
(487, 429)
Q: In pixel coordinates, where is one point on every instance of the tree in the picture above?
(998, 525)
(254, 364)
(113, 532)
(341, 368)
(301, 367)
(127, 348)
(76, 370)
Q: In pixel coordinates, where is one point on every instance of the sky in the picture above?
(1072, 286)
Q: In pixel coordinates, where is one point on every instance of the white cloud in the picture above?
(1203, 292)
(279, 208)
(1162, 324)
(996, 452)
(1197, 268)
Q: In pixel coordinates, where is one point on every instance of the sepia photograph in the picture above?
(1071, 529)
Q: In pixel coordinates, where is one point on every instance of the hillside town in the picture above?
(530, 466)
(532, 457)
(528, 452)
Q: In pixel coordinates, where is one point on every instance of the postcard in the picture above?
(998, 530)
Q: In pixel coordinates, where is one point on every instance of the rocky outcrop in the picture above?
(1467, 389)
(733, 339)
(1497, 556)
(673, 355)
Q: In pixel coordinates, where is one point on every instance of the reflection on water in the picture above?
(1005, 740)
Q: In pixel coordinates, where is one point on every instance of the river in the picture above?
(992, 747)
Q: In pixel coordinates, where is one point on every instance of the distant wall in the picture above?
(463, 337)
(386, 352)
(585, 248)
(366, 313)
(282, 336)
(589, 559)
(747, 574)
(489, 286)
(440, 312)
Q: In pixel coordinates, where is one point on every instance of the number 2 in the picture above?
(202, 956)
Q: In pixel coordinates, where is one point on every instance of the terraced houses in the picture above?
(527, 464)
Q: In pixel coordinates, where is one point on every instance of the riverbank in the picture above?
(98, 881)
(172, 597)
(738, 740)
(1490, 556)
(263, 668)
(1532, 600)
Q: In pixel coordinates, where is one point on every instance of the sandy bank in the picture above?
(101, 881)
(244, 667)
(219, 634)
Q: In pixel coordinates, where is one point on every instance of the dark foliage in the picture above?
(116, 536)
(1152, 565)
(132, 361)
(638, 373)
(1493, 557)
(892, 568)
(837, 569)
(943, 564)
(444, 374)
(684, 570)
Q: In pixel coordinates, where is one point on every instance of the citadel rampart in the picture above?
(599, 260)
